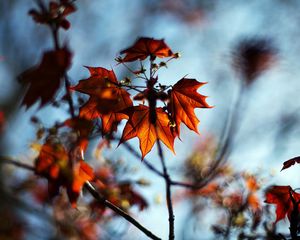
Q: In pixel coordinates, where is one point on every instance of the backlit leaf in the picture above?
(139, 126)
(145, 47)
(281, 197)
(183, 99)
(107, 98)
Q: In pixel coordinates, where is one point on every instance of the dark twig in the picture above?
(168, 192)
(88, 186)
(10, 161)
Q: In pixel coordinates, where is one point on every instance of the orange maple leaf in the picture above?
(82, 172)
(100, 79)
(183, 99)
(281, 196)
(44, 80)
(54, 163)
(107, 99)
(140, 126)
(145, 47)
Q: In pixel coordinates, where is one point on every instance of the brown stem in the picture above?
(54, 31)
(88, 186)
(228, 227)
(168, 192)
(152, 119)
(8, 160)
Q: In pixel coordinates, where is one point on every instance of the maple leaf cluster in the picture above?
(110, 99)
(157, 118)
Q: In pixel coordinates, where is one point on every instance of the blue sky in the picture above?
(100, 29)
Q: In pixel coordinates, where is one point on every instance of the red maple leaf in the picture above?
(183, 99)
(107, 98)
(100, 79)
(140, 126)
(282, 196)
(44, 79)
(145, 47)
(54, 163)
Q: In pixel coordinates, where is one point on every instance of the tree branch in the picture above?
(88, 186)
(168, 192)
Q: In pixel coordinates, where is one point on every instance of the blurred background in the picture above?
(217, 41)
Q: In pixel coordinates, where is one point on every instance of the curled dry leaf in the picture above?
(145, 47)
(44, 79)
(290, 162)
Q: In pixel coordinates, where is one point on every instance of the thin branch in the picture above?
(168, 192)
(8, 160)
(88, 186)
